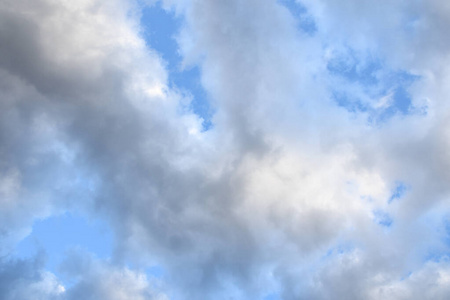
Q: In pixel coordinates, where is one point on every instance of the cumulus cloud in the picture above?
(25, 279)
(324, 175)
(90, 279)
(102, 280)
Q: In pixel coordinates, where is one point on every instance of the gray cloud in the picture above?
(25, 279)
(102, 280)
(91, 279)
(278, 197)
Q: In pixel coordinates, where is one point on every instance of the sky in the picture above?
(239, 149)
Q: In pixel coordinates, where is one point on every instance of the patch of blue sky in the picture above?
(438, 226)
(155, 271)
(437, 256)
(444, 232)
(159, 31)
(55, 235)
(305, 20)
(406, 276)
(366, 72)
(382, 218)
(440, 252)
(398, 192)
(397, 84)
(349, 102)
(160, 28)
(339, 249)
(351, 66)
(272, 296)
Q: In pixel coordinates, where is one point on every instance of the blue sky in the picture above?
(269, 150)
(160, 29)
(56, 235)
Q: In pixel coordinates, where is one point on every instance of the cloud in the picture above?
(89, 279)
(25, 279)
(103, 280)
(282, 195)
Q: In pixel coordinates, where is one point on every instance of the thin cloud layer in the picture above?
(324, 174)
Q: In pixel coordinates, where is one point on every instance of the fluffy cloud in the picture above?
(25, 279)
(102, 280)
(292, 192)
(90, 279)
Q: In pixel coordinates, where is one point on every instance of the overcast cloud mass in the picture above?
(320, 171)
